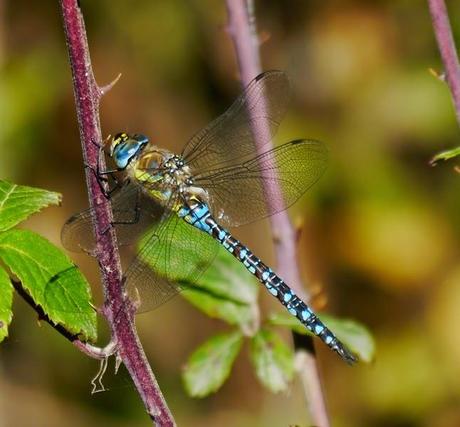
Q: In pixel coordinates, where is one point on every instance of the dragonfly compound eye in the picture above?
(141, 139)
(126, 147)
(117, 140)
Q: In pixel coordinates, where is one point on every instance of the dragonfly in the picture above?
(187, 201)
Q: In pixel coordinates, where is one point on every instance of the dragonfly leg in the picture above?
(100, 179)
(102, 175)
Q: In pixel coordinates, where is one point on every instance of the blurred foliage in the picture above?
(272, 359)
(210, 364)
(380, 232)
(227, 292)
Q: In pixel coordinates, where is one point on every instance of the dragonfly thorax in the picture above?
(158, 165)
(160, 171)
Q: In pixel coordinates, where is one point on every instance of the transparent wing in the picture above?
(172, 256)
(238, 194)
(134, 213)
(229, 139)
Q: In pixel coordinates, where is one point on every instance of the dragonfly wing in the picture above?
(239, 194)
(172, 257)
(134, 212)
(229, 139)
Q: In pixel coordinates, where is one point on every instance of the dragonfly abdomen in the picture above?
(199, 216)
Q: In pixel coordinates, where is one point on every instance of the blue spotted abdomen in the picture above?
(199, 216)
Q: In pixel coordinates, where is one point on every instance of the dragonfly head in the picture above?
(125, 147)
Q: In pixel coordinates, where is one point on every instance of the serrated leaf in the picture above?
(210, 364)
(445, 155)
(353, 334)
(226, 291)
(273, 360)
(6, 302)
(51, 279)
(17, 202)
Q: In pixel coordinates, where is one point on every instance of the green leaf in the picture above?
(445, 155)
(6, 301)
(226, 291)
(354, 335)
(17, 202)
(51, 279)
(273, 360)
(210, 364)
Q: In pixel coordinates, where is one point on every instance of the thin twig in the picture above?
(446, 44)
(242, 29)
(117, 312)
(99, 353)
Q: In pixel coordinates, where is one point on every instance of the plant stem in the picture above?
(446, 44)
(242, 29)
(118, 313)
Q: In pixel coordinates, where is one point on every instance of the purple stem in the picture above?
(242, 29)
(117, 312)
(446, 44)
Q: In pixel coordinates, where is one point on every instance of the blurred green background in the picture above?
(381, 230)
